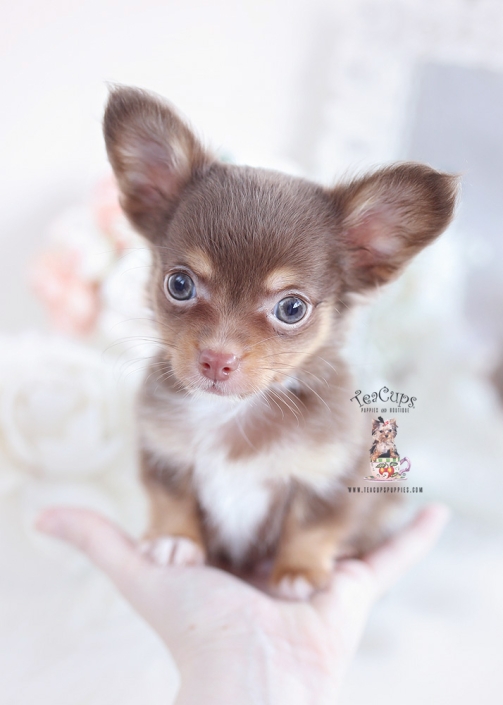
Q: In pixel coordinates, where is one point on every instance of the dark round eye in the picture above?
(180, 286)
(291, 309)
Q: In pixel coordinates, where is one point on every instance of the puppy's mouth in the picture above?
(217, 388)
(225, 388)
(234, 389)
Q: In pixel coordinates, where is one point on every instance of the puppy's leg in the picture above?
(312, 533)
(174, 535)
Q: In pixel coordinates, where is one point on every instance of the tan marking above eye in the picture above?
(200, 263)
(280, 279)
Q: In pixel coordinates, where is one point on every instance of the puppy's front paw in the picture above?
(297, 584)
(173, 550)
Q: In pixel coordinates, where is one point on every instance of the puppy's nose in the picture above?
(217, 365)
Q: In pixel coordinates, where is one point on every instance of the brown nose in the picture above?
(217, 365)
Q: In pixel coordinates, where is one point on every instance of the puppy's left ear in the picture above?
(388, 217)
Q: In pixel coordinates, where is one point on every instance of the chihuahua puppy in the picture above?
(247, 435)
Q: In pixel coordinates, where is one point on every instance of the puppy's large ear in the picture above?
(154, 156)
(388, 217)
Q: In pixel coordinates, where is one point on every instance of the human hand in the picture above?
(232, 642)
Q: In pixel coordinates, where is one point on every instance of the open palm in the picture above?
(233, 642)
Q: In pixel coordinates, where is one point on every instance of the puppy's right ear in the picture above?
(154, 155)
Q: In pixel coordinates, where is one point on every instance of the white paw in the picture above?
(294, 587)
(172, 550)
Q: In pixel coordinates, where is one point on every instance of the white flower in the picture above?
(64, 413)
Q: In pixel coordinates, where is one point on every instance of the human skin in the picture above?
(233, 642)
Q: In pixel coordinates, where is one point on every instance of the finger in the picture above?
(109, 548)
(397, 555)
(356, 584)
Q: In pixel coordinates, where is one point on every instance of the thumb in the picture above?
(357, 584)
(399, 553)
(107, 546)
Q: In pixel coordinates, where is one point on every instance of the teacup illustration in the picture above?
(386, 469)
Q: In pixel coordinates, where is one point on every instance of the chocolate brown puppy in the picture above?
(247, 437)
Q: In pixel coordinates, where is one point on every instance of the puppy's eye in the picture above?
(290, 310)
(179, 286)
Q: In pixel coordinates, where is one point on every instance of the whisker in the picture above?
(292, 398)
(292, 367)
(316, 394)
(265, 396)
(303, 382)
(241, 429)
(285, 399)
(249, 347)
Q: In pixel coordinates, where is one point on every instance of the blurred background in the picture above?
(323, 89)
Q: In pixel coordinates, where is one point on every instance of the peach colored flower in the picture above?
(109, 216)
(72, 301)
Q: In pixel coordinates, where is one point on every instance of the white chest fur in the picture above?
(236, 501)
(235, 496)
